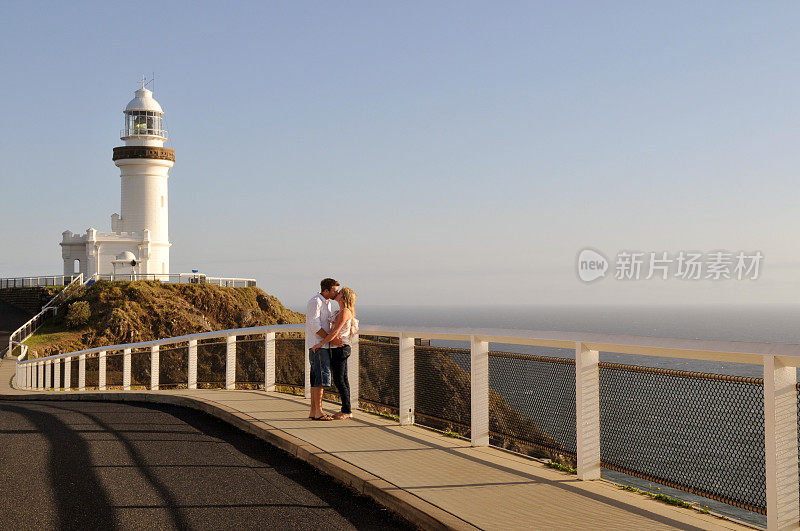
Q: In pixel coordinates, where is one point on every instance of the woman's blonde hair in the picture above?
(349, 299)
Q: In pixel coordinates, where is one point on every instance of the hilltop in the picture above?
(126, 312)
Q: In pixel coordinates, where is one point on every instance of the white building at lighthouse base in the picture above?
(96, 253)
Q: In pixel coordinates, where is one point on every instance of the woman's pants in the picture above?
(339, 357)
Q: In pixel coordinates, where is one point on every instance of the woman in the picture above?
(344, 326)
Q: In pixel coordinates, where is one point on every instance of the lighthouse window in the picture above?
(143, 123)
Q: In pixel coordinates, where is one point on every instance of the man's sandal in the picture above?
(323, 417)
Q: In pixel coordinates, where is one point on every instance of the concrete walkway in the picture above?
(432, 480)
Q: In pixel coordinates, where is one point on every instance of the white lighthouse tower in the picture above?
(139, 238)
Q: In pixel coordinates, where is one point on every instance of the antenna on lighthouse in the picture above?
(145, 82)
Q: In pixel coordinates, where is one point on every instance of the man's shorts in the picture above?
(320, 367)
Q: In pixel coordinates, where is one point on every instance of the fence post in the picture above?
(48, 375)
(352, 371)
(67, 373)
(82, 372)
(269, 361)
(479, 392)
(780, 443)
(57, 374)
(29, 365)
(101, 374)
(230, 363)
(154, 367)
(307, 368)
(406, 352)
(192, 382)
(587, 411)
(126, 369)
(39, 376)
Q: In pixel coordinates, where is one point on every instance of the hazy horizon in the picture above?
(423, 154)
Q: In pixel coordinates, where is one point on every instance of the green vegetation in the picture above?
(669, 500)
(559, 466)
(78, 315)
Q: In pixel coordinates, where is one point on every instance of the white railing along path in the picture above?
(779, 362)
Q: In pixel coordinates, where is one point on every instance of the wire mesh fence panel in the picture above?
(442, 393)
(532, 404)
(211, 363)
(250, 362)
(290, 361)
(92, 371)
(702, 433)
(73, 373)
(114, 369)
(379, 373)
(173, 366)
(140, 367)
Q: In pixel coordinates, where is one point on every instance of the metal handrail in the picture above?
(127, 133)
(178, 278)
(700, 349)
(33, 324)
(36, 282)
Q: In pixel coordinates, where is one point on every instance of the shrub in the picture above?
(78, 314)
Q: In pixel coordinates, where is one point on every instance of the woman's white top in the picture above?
(349, 328)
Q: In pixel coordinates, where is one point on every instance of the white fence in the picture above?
(35, 282)
(779, 362)
(179, 278)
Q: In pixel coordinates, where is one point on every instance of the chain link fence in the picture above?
(532, 404)
(173, 366)
(702, 433)
(290, 363)
(442, 396)
(379, 374)
(250, 362)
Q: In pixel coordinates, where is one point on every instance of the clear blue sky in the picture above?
(423, 153)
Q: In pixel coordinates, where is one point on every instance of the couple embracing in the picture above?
(328, 336)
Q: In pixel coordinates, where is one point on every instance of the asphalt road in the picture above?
(92, 465)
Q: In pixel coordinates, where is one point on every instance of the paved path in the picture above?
(427, 477)
(105, 465)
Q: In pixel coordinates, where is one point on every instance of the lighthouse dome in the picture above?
(126, 256)
(143, 101)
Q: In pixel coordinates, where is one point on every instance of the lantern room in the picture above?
(143, 118)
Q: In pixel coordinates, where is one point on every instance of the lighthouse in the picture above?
(139, 239)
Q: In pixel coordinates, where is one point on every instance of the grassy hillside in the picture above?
(125, 312)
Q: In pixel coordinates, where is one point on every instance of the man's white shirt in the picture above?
(318, 315)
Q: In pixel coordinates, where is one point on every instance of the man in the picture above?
(318, 316)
